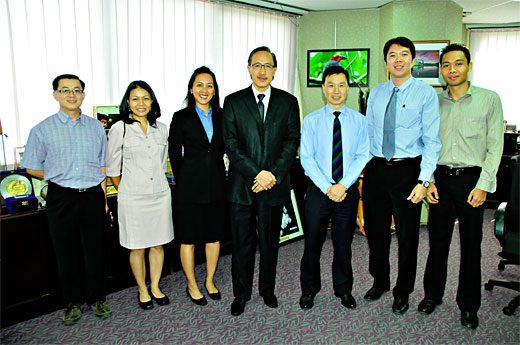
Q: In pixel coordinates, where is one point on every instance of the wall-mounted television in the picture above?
(355, 61)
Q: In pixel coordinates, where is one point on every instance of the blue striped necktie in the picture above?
(337, 150)
(389, 126)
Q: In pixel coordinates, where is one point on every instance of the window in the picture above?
(109, 43)
(495, 66)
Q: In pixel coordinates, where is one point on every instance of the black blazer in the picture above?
(254, 145)
(200, 174)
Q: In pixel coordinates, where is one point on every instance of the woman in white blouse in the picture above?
(136, 164)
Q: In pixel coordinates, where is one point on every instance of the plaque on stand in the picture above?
(16, 191)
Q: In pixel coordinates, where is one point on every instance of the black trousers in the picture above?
(318, 210)
(258, 222)
(453, 194)
(386, 185)
(77, 229)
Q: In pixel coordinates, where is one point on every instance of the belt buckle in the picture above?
(81, 190)
(454, 171)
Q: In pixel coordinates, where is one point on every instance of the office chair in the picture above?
(506, 231)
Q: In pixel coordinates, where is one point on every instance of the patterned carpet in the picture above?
(328, 322)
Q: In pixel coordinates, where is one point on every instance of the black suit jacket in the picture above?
(254, 145)
(200, 174)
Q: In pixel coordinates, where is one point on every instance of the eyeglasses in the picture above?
(257, 66)
(66, 92)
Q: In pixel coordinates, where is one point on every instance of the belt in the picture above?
(447, 170)
(396, 161)
(73, 190)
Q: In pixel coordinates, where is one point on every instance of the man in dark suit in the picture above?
(261, 129)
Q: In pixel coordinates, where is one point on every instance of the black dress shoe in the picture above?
(145, 305)
(400, 305)
(348, 301)
(214, 296)
(427, 306)
(374, 294)
(270, 301)
(160, 300)
(306, 301)
(469, 319)
(238, 306)
(200, 301)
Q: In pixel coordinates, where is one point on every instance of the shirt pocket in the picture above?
(408, 118)
(160, 142)
(132, 149)
(351, 150)
(90, 150)
(161, 145)
(473, 128)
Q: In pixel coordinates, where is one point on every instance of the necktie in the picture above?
(261, 105)
(389, 126)
(337, 150)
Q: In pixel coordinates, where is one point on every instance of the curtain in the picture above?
(109, 43)
(495, 66)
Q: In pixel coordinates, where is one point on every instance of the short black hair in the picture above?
(403, 42)
(333, 70)
(261, 49)
(124, 107)
(456, 47)
(190, 99)
(56, 81)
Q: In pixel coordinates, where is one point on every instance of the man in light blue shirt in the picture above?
(334, 149)
(68, 150)
(403, 126)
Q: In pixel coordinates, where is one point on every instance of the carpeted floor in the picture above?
(182, 322)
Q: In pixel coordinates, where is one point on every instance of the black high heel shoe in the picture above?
(200, 301)
(214, 296)
(145, 305)
(160, 300)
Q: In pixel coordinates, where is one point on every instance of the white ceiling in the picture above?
(478, 11)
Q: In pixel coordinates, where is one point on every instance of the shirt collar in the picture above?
(201, 112)
(469, 92)
(403, 86)
(64, 118)
(329, 110)
(267, 92)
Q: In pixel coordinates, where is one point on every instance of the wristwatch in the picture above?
(425, 184)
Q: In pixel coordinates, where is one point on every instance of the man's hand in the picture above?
(477, 197)
(431, 194)
(265, 180)
(337, 192)
(257, 188)
(418, 193)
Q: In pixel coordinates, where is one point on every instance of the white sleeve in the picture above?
(114, 150)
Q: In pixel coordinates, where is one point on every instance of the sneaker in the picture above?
(101, 309)
(72, 314)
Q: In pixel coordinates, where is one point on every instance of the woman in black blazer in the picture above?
(196, 151)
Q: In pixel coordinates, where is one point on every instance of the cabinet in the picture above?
(29, 277)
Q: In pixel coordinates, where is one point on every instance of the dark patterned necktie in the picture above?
(389, 126)
(261, 105)
(337, 150)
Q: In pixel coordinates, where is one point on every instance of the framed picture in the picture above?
(427, 59)
(355, 61)
(107, 115)
(291, 227)
(18, 154)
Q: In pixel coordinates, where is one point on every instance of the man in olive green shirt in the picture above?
(472, 136)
